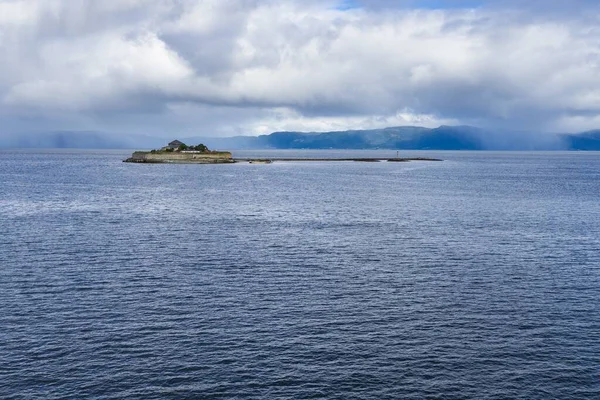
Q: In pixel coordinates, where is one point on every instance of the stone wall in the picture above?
(181, 157)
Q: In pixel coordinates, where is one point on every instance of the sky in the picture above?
(248, 67)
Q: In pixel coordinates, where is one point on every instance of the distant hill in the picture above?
(584, 141)
(401, 138)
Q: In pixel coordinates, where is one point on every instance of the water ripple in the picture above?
(473, 278)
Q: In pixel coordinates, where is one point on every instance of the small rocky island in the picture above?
(178, 152)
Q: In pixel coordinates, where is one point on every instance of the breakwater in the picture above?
(357, 159)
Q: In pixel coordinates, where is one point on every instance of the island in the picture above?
(177, 152)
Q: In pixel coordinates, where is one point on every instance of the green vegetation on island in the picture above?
(176, 145)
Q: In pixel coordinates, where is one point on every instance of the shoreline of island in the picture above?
(177, 152)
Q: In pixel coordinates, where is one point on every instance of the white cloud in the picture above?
(16, 13)
(265, 65)
(99, 72)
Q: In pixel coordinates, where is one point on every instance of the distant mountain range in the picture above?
(401, 138)
(411, 138)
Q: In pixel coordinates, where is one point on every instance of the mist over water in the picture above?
(477, 277)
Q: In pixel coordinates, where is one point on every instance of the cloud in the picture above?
(247, 66)
(104, 72)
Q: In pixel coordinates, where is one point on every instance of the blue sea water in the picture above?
(474, 278)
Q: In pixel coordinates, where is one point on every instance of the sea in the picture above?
(473, 278)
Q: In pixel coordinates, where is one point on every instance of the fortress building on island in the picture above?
(174, 145)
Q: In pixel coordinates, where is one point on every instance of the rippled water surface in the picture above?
(477, 277)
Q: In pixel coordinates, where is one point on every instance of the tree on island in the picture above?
(183, 147)
(200, 147)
